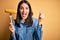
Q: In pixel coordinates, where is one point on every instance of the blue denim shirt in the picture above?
(27, 33)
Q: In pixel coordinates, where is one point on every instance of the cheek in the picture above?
(21, 11)
(27, 12)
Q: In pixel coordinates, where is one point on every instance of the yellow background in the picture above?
(51, 23)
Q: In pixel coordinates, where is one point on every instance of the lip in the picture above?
(23, 14)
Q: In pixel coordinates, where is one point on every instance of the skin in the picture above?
(24, 11)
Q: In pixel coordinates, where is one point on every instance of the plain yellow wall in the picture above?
(51, 23)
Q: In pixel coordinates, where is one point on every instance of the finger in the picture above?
(39, 15)
(10, 28)
(42, 16)
(10, 24)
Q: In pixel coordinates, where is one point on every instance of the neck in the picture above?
(23, 20)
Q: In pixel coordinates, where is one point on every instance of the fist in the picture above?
(41, 16)
(11, 28)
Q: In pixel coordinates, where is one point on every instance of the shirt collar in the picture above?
(22, 22)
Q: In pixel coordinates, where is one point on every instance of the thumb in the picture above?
(41, 16)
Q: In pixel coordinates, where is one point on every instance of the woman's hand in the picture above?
(11, 28)
(41, 16)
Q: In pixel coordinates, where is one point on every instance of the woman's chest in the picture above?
(24, 30)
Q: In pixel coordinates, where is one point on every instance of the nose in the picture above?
(24, 10)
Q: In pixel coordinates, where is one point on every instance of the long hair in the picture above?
(29, 18)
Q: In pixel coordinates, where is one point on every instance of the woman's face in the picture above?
(24, 11)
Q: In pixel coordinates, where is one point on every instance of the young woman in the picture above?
(25, 27)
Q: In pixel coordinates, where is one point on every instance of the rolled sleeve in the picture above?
(12, 37)
(38, 30)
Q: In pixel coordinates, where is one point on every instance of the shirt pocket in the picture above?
(30, 30)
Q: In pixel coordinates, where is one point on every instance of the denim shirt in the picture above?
(27, 33)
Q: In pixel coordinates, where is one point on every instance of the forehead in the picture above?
(24, 5)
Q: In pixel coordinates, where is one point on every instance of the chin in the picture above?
(24, 18)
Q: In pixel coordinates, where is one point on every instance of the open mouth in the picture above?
(24, 14)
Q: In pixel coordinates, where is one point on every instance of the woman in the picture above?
(25, 27)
